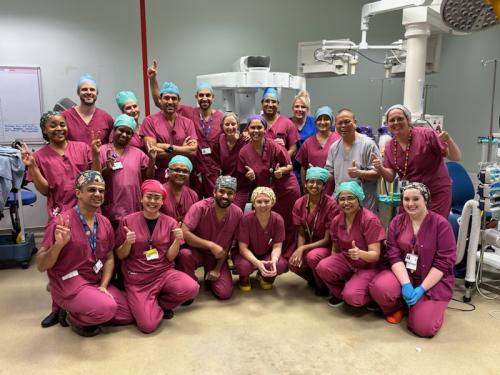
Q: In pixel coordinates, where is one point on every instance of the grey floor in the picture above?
(283, 331)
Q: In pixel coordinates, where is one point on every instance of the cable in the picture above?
(370, 59)
(479, 267)
(473, 307)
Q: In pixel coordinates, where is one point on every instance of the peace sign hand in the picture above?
(27, 155)
(62, 233)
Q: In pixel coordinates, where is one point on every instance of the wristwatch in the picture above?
(170, 148)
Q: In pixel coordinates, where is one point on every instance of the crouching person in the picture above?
(77, 253)
(148, 244)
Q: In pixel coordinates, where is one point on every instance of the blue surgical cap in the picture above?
(204, 86)
(271, 93)
(170, 88)
(352, 187)
(183, 160)
(125, 120)
(86, 78)
(123, 97)
(325, 110)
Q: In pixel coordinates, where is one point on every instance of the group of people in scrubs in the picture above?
(137, 207)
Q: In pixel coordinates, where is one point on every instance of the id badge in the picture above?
(411, 261)
(206, 151)
(117, 165)
(97, 266)
(151, 254)
(70, 275)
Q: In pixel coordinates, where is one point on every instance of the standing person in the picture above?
(314, 150)
(421, 250)
(86, 121)
(149, 243)
(206, 121)
(209, 228)
(350, 158)
(226, 151)
(260, 238)
(125, 167)
(357, 235)
(53, 170)
(172, 134)
(77, 253)
(312, 215)
(179, 196)
(305, 125)
(264, 163)
(279, 128)
(129, 105)
(417, 155)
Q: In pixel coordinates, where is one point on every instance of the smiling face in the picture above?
(263, 204)
(299, 109)
(178, 174)
(314, 187)
(55, 129)
(205, 98)
(414, 203)
(132, 109)
(169, 103)
(151, 202)
(256, 130)
(230, 126)
(348, 202)
(87, 93)
(223, 197)
(345, 124)
(270, 107)
(91, 195)
(398, 123)
(122, 135)
(323, 123)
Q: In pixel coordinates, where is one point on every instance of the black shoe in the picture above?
(168, 314)
(188, 302)
(62, 318)
(372, 306)
(335, 302)
(50, 320)
(321, 292)
(86, 331)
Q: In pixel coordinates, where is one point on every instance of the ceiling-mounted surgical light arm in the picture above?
(383, 6)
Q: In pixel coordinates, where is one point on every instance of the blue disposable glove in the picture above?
(418, 293)
(406, 291)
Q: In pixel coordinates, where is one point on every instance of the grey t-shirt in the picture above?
(338, 162)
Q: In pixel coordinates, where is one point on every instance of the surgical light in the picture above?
(470, 15)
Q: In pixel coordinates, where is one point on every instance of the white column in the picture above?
(416, 35)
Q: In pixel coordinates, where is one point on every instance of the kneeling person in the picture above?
(209, 229)
(77, 253)
(149, 242)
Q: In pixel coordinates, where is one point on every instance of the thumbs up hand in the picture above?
(250, 174)
(354, 171)
(354, 251)
(129, 236)
(178, 234)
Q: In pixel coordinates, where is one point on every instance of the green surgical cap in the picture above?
(324, 111)
(123, 97)
(352, 187)
(204, 86)
(125, 120)
(183, 160)
(317, 173)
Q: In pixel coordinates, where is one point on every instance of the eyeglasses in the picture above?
(153, 197)
(180, 170)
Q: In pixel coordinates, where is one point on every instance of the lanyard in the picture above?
(91, 238)
(206, 128)
(308, 230)
(407, 156)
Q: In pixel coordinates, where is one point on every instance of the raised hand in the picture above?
(62, 233)
(153, 69)
(353, 171)
(377, 163)
(129, 236)
(110, 159)
(26, 155)
(250, 174)
(95, 143)
(152, 150)
(443, 136)
(178, 234)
